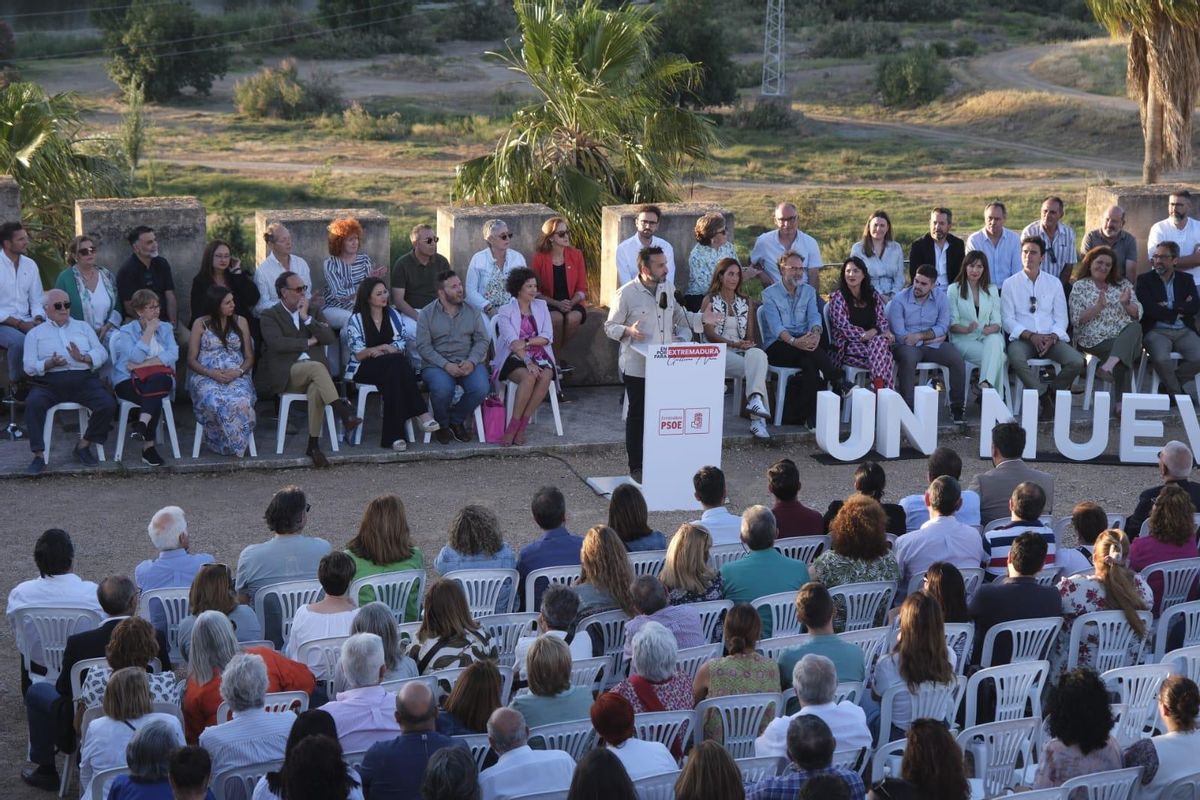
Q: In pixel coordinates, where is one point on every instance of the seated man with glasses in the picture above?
(1034, 314)
(61, 357)
(414, 273)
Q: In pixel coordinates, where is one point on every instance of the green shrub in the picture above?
(279, 93)
(689, 30)
(966, 47)
(854, 39)
(766, 114)
(1068, 30)
(910, 78)
(388, 17)
(896, 10)
(478, 20)
(358, 123)
(230, 227)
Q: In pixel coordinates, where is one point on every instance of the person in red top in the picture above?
(213, 645)
(792, 517)
(562, 279)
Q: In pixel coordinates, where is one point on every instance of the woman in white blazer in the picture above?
(975, 327)
(524, 352)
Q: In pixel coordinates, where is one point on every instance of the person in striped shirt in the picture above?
(1026, 505)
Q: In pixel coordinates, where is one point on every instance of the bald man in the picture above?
(61, 357)
(393, 770)
(1112, 233)
(786, 237)
(521, 770)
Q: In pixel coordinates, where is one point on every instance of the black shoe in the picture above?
(137, 431)
(459, 432)
(957, 416)
(85, 456)
(151, 458)
(41, 777)
(36, 467)
(318, 458)
(442, 436)
(1046, 405)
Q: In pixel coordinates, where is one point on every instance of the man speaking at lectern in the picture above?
(645, 312)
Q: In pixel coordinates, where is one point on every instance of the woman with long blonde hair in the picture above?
(688, 576)
(921, 655)
(1111, 586)
(384, 544)
(605, 574)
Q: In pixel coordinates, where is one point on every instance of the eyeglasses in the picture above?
(300, 288)
(85, 251)
(792, 218)
(562, 234)
(62, 305)
(651, 223)
(504, 236)
(1032, 304)
(430, 239)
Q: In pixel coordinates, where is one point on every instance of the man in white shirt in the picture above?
(1179, 228)
(815, 680)
(1057, 236)
(612, 717)
(787, 237)
(20, 295)
(254, 735)
(942, 461)
(363, 712)
(61, 356)
(723, 526)
(1001, 246)
(943, 538)
(648, 218)
(280, 259)
(1033, 309)
(520, 769)
(560, 607)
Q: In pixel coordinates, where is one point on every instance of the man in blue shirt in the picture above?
(175, 567)
(393, 770)
(791, 335)
(557, 547)
(920, 319)
(810, 747)
(942, 461)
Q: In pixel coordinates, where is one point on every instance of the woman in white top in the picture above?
(279, 260)
(91, 289)
(330, 616)
(921, 655)
(1171, 755)
(488, 269)
(127, 708)
(739, 332)
(883, 256)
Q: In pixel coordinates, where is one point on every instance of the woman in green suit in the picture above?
(975, 322)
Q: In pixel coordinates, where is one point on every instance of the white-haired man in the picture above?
(1175, 462)
(254, 735)
(363, 712)
(520, 769)
(815, 679)
(176, 565)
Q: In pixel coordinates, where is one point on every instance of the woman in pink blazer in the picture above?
(523, 350)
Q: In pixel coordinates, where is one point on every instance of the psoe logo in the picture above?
(671, 422)
(697, 420)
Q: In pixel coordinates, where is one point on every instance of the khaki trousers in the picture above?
(311, 379)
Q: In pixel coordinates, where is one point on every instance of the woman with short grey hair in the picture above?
(377, 618)
(489, 268)
(654, 683)
(244, 683)
(148, 755)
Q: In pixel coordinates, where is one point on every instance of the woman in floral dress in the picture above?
(858, 552)
(220, 355)
(743, 671)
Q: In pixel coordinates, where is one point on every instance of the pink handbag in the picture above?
(493, 418)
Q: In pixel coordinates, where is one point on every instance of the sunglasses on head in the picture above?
(61, 305)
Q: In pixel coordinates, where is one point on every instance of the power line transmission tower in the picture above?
(772, 80)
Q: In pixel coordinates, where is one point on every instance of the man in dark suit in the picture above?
(293, 360)
(995, 487)
(1019, 596)
(118, 598)
(1175, 466)
(939, 248)
(1170, 304)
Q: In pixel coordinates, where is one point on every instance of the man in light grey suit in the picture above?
(996, 486)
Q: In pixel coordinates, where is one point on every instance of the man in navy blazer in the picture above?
(557, 547)
(1169, 304)
(939, 248)
(1019, 596)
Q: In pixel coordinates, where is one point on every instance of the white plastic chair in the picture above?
(1184, 661)
(166, 420)
(657, 787)
(285, 403)
(479, 746)
(690, 659)
(174, 604)
(1117, 784)
(1063, 524)
(803, 548)
(931, 700)
(666, 727)
(1116, 644)
(1178, 576)
(564, 576)
(575, 737)
(1089, 386)
(647, 562)
(721, 554)
(854, 760)
(1137, 690)
(856, 375)
(1017, 687)
(776, 646)
(1190, 614)
(101, 779)
(394, 589)
(925, 371)
(743, 717)
(478, 427)
(77, 674)
(972, 580)
(1154, 379)
(756, 769)
(53, 627)
(885, 762)
(1048, 576)
(1031, 639)
(871, 641)
(783, 612)
(589, 672)
(276, 703)
(611, 625)
(1005, 742)
(484, 586)
(446, 679)
(321, 656)
(780, 374)
(1185, 788)
(863, 602)
(84, 416)
(960, 636)
(509, 388)
(711, 612)
(1016, 388)
(238, 783)
(251, 448)
(394, 686)
(407, 631)
(290, 595)
(505, 630)
(365, 390)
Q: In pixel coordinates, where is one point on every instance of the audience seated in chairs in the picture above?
(314, 722)
(190, 773)
(1018, 596)
(1088, 520)
(686, 573)
(1026, 505)
(220, 268)
(220, 359)
(723, 526)
(212, 590)
(629, 517)
(763, 570)
(815, 679)
(473, 698)
(450, 774)
(1175, 466)
(363, 711)
(605, 574)
(556, 547)
(1172, 536)
(449, 636)
(384, 544)
(858, 550)
(1105, 313)
(792, 517)
(21, 299)
(377, 618)
(552, 697)
(810, 748)
(521, 770)
(651, 603)
(143, 354)
(932, 765)
(859, 331)
(942, 461)
(560, 610)
(1080, 721)
(871, 480)
(944, 583)
(253, 735)
(743, 671)
(475, 542)
(176, 565)
(995, 487)
(392, 769)
(943, 538)
(330, 616)
(133, 644)
(815, 609)
(600, 775)
(710, 772)
(654, 682)
(1172, 755)
(612, 717)
(148, 755)
(317, 771)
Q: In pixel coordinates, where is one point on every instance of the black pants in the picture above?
(397, 383)
(74, 386)
(147, 405)
(635, 420)
(816, 371)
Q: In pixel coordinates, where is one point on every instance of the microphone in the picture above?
(662, 300)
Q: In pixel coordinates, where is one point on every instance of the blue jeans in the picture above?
(441, 390)
(13, 341)
(39, 700)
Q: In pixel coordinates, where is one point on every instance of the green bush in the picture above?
(358, 123)
(895, 10)
(478, 20)
(229, 226)
(279, 93)
(911, 78)
(388, 17)
(1068, 30)
(161, 47)
(854, 39)
(966, 47)
(767, 114)
(688, 30)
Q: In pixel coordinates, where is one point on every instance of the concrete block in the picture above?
(1144, 205)
(310, 235)
(460, 230)
(10, 199)
(593, 354)
(677, 226)
(179, 224)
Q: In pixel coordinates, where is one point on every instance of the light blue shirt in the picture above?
(796, 313)
(126, 345)
(173, 569)
(1170, 288)
(908, 315)
(448, 560)
(1004, 259)
(916, 513)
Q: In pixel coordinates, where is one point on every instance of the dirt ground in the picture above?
(107, 516)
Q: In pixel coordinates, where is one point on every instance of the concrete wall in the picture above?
(677, 226)
(310, 236)
(460, 230)
(10, 199)
(180, 225)
(1144, 205)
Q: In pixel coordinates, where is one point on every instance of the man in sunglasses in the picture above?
(414, 275)
(1033, 309)
(61, 357)
(20, 296)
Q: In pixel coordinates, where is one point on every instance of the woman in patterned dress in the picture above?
(743, 671)
(220, 355)
(713, 247)
(858, 326)
(1105, 314)
(654, 682)
(858, 552)
(488, 269)
(449, 636)
(345, 270)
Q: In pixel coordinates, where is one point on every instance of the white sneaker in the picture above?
(400, 445)
(756, 408)
(758, 427)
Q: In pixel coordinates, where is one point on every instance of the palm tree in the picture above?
(603, 129)
(1164, 48)
(44, 147)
